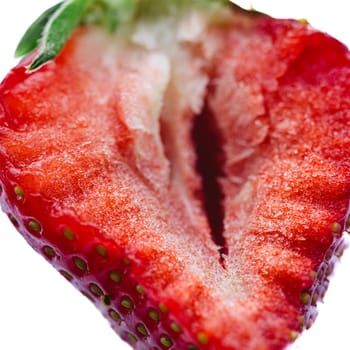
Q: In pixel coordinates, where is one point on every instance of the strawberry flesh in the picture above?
(104, 172)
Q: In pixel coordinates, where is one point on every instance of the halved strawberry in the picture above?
(188, 173)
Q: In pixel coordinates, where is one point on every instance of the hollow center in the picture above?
(210, 160)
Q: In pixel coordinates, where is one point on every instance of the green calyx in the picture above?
(50, 32)
(32, 36)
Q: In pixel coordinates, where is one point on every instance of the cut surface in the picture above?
(217, 161)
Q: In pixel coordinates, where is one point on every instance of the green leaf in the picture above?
(50, 32)
(58, 29)
(31, 37)
(110, 14)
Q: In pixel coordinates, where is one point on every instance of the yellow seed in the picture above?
(68, 234)
(114, 314)
(80, 263)
(127, 303)
(202, 338)
(153, 314)
(13, 220)
(34, 226)
(304, 298)
(95, 289)
(66, 275)
(163, 308)
(49, 251)
(101, 250)
(19, 192)
(140, 290)
(303, 21)
(115, 276)
(313, 274)
(142, 329)
(175, 327)
(166, 341)
(132, 337)
(293, 335)
(301, 321)
(335, 227)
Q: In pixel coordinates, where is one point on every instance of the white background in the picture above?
(40, 310)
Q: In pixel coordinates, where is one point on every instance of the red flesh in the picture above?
(279, 90)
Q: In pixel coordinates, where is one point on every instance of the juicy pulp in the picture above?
(101, 143)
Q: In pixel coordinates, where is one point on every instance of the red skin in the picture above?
(83, 175)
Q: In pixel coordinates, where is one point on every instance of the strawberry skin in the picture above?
(101, 155)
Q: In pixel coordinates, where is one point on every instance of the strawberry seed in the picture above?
(101, 250)
(192, 347)
(95, 289)
(163, 308)
(166, 341)
(114, 314)
(13, 220)
(141, 329)
(154, 315)
(202, 338)
(66, 275)
(49, 251)
(132, 337)
(127, 303)
(175, 327)
(19, 192)
(115, 276)
(80, 263)
(34, 226)
(140, 290)
(68, 234)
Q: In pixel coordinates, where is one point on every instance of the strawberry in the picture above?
(184, 166)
